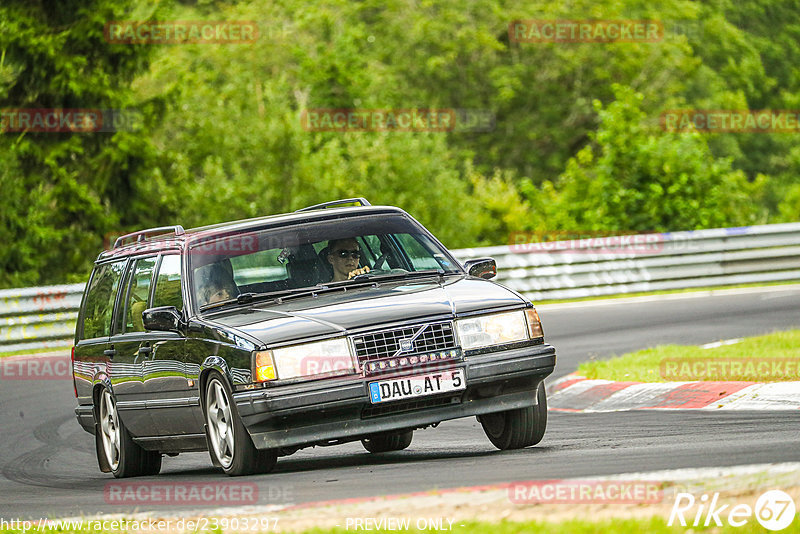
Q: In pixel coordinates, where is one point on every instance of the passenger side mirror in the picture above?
(481, 267)
(163, 318)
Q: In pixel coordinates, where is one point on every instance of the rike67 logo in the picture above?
(774, 510)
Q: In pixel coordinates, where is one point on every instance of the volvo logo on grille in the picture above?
(406, 345)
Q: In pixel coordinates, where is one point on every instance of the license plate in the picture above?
(416, 386)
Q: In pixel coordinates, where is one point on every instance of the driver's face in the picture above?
(344, 258)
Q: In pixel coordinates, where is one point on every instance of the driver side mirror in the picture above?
(163, 318)
(481, 267)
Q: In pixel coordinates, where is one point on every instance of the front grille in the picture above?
(386, 343)
(376, 410)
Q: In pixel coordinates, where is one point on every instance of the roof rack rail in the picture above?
(360, 200)
(143, 235)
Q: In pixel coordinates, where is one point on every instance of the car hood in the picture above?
(363, 307)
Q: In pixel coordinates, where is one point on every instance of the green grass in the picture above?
(666, 292)
(671, 362)
(654, 525)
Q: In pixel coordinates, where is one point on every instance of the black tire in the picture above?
(516, 429)
(122, 455)
(393, 441)
(230, 445)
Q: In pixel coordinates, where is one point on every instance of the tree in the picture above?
(65, 190)
(635, 178)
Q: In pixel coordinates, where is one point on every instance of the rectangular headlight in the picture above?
(327, 357)
(492, 329)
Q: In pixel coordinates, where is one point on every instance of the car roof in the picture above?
(175, 238)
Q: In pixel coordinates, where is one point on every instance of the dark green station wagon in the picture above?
(253, 339)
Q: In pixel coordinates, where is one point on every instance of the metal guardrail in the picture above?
(651, 262)
(38, 317)
(44, 317)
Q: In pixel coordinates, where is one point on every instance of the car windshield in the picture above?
(280, 260)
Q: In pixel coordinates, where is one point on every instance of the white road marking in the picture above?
(716, 344)
(771, 396)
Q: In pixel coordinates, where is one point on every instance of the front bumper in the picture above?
(340, 410)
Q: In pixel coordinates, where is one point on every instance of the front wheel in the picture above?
(120, 454)
(230, 445)
(516, 429)
(396, 441)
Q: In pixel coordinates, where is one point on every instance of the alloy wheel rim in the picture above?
(220, 424)
(109, 429)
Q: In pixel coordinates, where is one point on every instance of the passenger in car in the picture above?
(344, 256)
(217, 284)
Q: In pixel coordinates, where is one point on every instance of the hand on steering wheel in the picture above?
(356, 272)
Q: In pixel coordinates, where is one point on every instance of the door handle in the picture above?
(110, 353)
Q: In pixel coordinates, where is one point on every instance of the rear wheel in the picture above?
(122, 455)
(230, 445)
(391, 441)
(519, 428)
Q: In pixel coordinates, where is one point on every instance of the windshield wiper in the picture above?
(284, 294)
(246, 298)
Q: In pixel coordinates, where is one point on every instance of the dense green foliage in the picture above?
(577, 144)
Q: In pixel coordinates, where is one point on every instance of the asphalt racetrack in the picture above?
(48, 467)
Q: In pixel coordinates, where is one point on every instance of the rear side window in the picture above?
(138, 294)
(168, 283)
(99, 306)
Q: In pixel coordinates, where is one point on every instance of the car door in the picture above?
(165, 376)
(131, 345)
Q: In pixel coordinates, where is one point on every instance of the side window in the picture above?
(168, 283)
(420, 257)
(99, 306)
(119, 314)
(138, 294)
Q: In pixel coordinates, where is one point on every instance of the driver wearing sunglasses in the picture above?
(344, 256)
